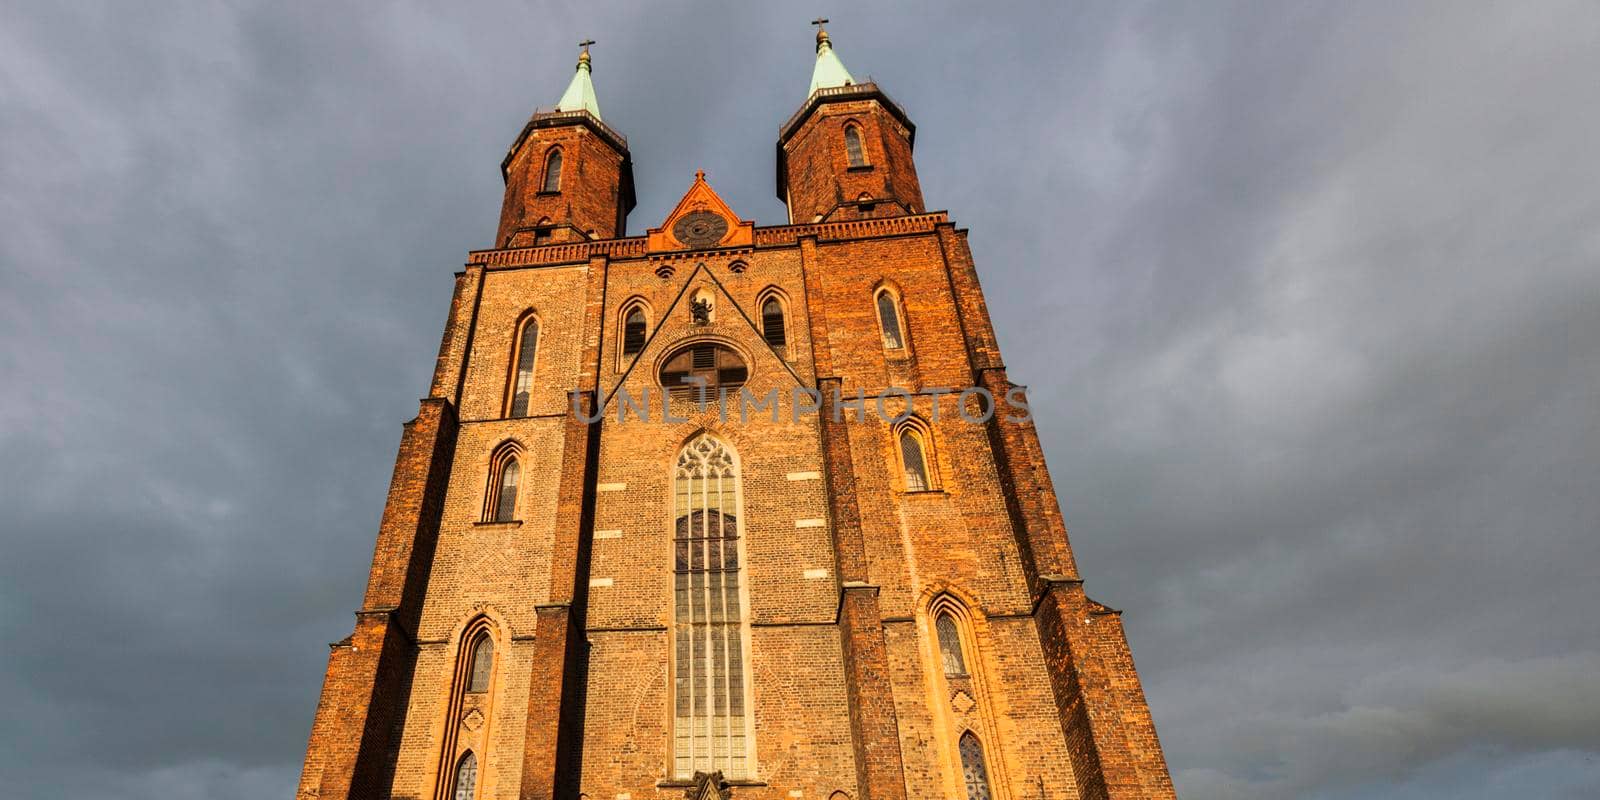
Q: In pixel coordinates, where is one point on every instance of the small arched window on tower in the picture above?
(527, 347)
(955, 666)
(552, 172)
(973, 771)
(889, 320)
(466, 777)
(482, 665)
(772, 327)
(633, 331)
(914, 458)
(852, 146)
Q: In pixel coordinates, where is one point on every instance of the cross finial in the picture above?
(822, 33)
(585, 43)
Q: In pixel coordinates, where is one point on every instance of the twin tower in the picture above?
(846, 154)
(726, 510)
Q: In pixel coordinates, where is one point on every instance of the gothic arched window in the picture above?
(973, 771)
(552, 172)
(711, 726)
(500, 502)
(950, 646)
(633, 330)
(482, 665)
(772, 327)
(466, 777)
(889, 320)
(527, 348)
(852, 146)
(914, 459)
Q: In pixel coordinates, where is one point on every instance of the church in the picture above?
(726, 510)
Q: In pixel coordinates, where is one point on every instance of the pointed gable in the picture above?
(701, 221)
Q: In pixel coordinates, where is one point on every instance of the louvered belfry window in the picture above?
(527, 348)
(710, 724)
(973, 770)
(633, 330)
(772, 322)
(717, 365)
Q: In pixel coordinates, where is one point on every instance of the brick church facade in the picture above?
(650, 534)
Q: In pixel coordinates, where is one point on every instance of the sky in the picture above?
(1307, 297)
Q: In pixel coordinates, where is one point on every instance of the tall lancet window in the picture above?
(466, 777)
(950, 647)
(526, 350)
(889, 320)
(973, 771)
(711, 726)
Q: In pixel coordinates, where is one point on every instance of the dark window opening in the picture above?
(552, 172)
(772, 322)
(633, 331)
(717, 365)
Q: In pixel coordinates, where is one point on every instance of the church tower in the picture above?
(726, 510)
(568, 175)
(846, 153)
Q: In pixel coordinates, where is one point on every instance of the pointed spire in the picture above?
(580, 92)
(829, 71)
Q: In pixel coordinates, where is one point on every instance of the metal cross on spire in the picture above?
(585, 43)
(822, 33)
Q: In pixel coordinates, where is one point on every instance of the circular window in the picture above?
(704, 364)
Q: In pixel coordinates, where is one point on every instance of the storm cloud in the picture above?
(1307, 297)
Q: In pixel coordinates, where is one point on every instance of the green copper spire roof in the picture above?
(580, 93)
(830, 71)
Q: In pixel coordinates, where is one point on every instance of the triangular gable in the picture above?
(701, 221)
(650, 349)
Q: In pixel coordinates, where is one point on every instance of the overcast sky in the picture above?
(1308, 299)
